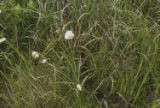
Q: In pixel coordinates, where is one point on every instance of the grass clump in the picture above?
(112, 59)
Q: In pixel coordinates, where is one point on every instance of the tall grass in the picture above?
(115, 54)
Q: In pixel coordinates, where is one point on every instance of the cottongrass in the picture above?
(69, 35)
(2, 39)
(79, 87)
(35, 54)
(44, 61)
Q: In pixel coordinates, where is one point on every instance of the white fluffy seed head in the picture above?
(35, 54)
(2, 39)
(69, 35)
(44, 61)
(79, 87)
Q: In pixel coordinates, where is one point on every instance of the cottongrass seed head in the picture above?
(69, 35)
(44, 61)
(35, 54)
(2, 39)
(79, 87)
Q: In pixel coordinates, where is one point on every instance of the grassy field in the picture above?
(113, 60)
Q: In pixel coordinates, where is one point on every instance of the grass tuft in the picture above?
(112, 60)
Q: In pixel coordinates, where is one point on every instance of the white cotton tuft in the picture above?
(69, 35)
(79, 87)
(2, 39)
(35, 54)
(44, 61)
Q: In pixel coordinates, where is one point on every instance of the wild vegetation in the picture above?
(111, 60)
